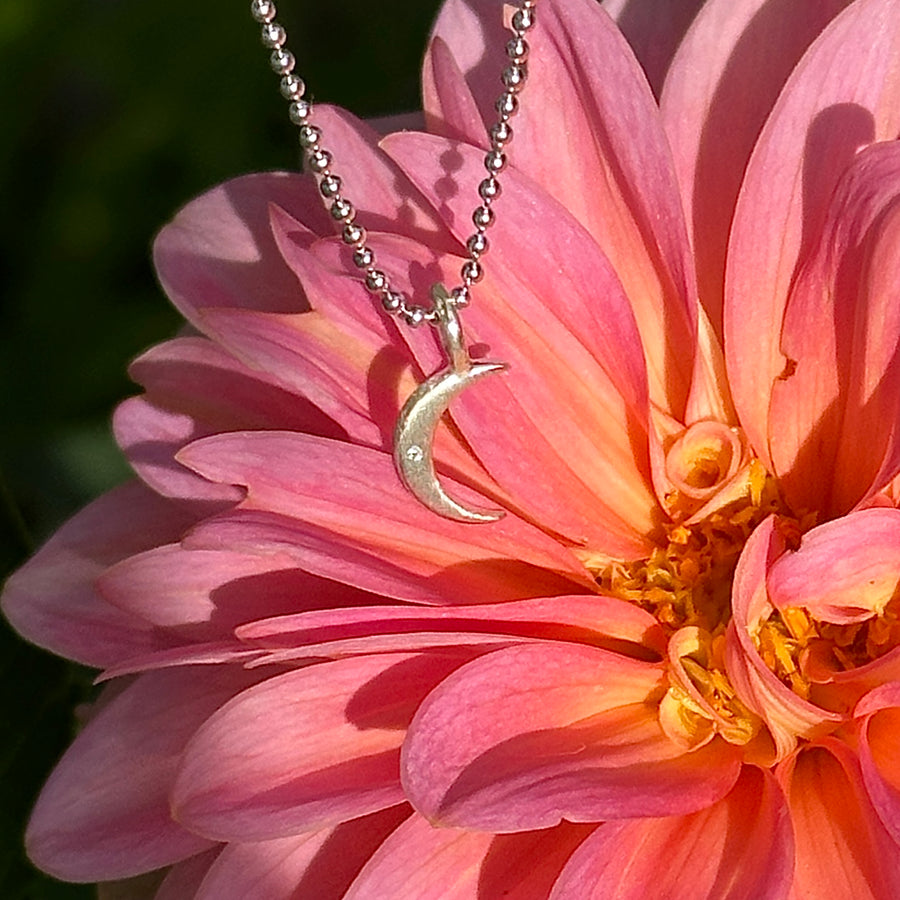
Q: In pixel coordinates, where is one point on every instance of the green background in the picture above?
(112, 115)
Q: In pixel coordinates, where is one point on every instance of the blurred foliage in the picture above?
(115, 113)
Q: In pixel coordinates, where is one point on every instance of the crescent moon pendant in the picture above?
(414, 432)
(414, 441)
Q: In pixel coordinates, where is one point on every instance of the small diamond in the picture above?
(415, 453)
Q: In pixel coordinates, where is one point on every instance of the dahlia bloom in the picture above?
(673, 669)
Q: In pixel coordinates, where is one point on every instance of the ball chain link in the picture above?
(319, 161)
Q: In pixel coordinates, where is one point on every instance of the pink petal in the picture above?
(830, 108)
(786, 715)
(205, 594)
(104, 812)
(722, 85)
(524, 737)
(429, 863)
(473, 32)
(879, 753)
(450, 108)
(329, 749)
(345, 496)
(585, 476)
(319, 864)
(654, 31)
(586, 91)
(209, 653)
(383, 196)
(845, 571)
(842, 849)
(184, 879)
(219, 251)
(740, 848)
(581, 617)
(840, 332)
(52, 600)
(341, 356)
(195, 388)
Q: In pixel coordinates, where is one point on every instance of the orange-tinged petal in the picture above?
(842, 848)
(740, 848)
(580, 617)
(835, 411)
(589, 105)
(830, 108)
(524, 737)
(580, 409)
(879, 752)
(722, 84)
(428, 863)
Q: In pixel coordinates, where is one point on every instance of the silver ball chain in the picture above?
(319, 161)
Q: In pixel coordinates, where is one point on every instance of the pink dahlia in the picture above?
(673, 669)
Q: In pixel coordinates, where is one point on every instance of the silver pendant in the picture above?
(414, 432)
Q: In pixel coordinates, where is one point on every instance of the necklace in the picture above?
(418, 419)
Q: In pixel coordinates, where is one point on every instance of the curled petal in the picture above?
(841, 335)
(879, 752)
(704, 458)
(747, 852)
(845, 571)
(786, 715)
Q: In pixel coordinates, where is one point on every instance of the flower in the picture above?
(672, 669)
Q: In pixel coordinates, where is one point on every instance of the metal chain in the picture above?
(319, 161)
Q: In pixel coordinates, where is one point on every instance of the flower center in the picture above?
(686, 585)
(687, 581)
(803, 651)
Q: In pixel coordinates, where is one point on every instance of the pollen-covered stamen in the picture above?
(687, 582)
(802, 651)
(781, 640)
(700, 701)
